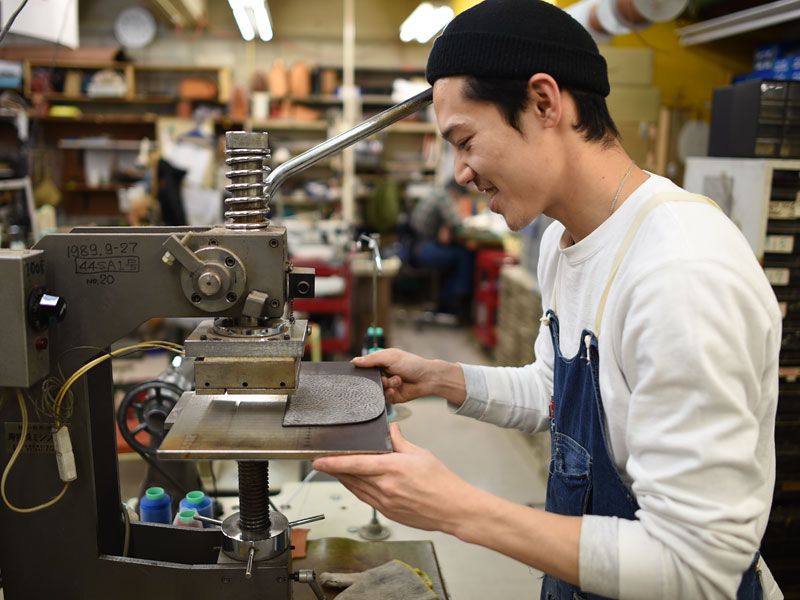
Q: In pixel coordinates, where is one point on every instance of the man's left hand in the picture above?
(410, 485)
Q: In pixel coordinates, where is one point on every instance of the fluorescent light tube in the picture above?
(439, 18)
(262, 20)
(424, 22)
(252, 15)
(242, 20)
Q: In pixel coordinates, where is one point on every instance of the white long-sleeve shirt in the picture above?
(688, 347)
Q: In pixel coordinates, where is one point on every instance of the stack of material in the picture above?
(634, 103)
(517, 327)
(517, 317)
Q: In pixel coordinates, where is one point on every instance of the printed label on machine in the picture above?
(39, 438)
(777, 275)
(783, 210)
(109, 264)
(779, 244)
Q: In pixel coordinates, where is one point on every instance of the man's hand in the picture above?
(413, 487)
(406, 376)
(410, 485)
(445, 235)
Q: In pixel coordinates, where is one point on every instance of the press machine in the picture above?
(69, 298)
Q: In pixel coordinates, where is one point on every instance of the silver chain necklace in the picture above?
(619, 189)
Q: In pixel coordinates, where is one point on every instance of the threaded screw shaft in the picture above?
(254, 496)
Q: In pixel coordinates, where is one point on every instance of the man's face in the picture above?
(500, 160)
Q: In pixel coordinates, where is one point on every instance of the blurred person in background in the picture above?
(434, 226)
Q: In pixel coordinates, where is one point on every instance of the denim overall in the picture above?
(583, 478)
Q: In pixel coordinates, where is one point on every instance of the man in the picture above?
(657, 360)
(434, 224)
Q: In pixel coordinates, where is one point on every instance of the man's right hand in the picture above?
(406, 376)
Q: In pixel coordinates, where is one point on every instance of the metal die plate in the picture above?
(243, 373)
(204, 341)
(250, 427)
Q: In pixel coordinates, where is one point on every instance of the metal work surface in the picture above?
(250, 427)
(335, 393)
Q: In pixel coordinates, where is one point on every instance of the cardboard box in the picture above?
(639, 141)
(628, 66)
(632, 104)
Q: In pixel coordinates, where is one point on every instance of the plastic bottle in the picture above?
(155, 506)
(185, 518)
(374, 334)
(197, 500)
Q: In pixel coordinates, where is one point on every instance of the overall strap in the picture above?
(645, 210)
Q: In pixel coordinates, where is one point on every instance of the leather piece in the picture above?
(335, 393)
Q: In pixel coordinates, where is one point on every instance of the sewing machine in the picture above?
(68, 299)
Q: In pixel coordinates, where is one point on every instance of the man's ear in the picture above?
(545, 99)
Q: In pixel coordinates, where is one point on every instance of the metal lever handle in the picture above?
(306, 520)
(345, 139)
(176, 249)
(372, 245)
(291, 523)
(207, 520)
(308, 576)
(248, 572)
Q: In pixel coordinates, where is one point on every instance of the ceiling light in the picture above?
(262, 20)
(252, 16)
(424, 22)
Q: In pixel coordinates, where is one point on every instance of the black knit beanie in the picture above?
(513, 39)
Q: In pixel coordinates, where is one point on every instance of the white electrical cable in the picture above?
(11, 20)
(300, 487)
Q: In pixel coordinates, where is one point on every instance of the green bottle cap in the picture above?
(187, 516)
(154, 493)
(379, 331)
(195, 497)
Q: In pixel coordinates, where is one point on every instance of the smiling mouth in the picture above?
(491, 191)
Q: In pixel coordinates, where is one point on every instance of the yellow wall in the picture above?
(462, 5)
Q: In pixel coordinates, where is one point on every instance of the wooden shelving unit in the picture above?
(102, 118)
(85, 98)
(154, 84)
(152, 92)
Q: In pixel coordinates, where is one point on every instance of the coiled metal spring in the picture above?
(248, 207)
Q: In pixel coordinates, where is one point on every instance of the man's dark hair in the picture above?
(511, 98)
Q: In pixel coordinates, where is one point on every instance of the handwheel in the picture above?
(146, 407)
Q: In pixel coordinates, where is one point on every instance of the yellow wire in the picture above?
(23, 409)
(171, 346)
